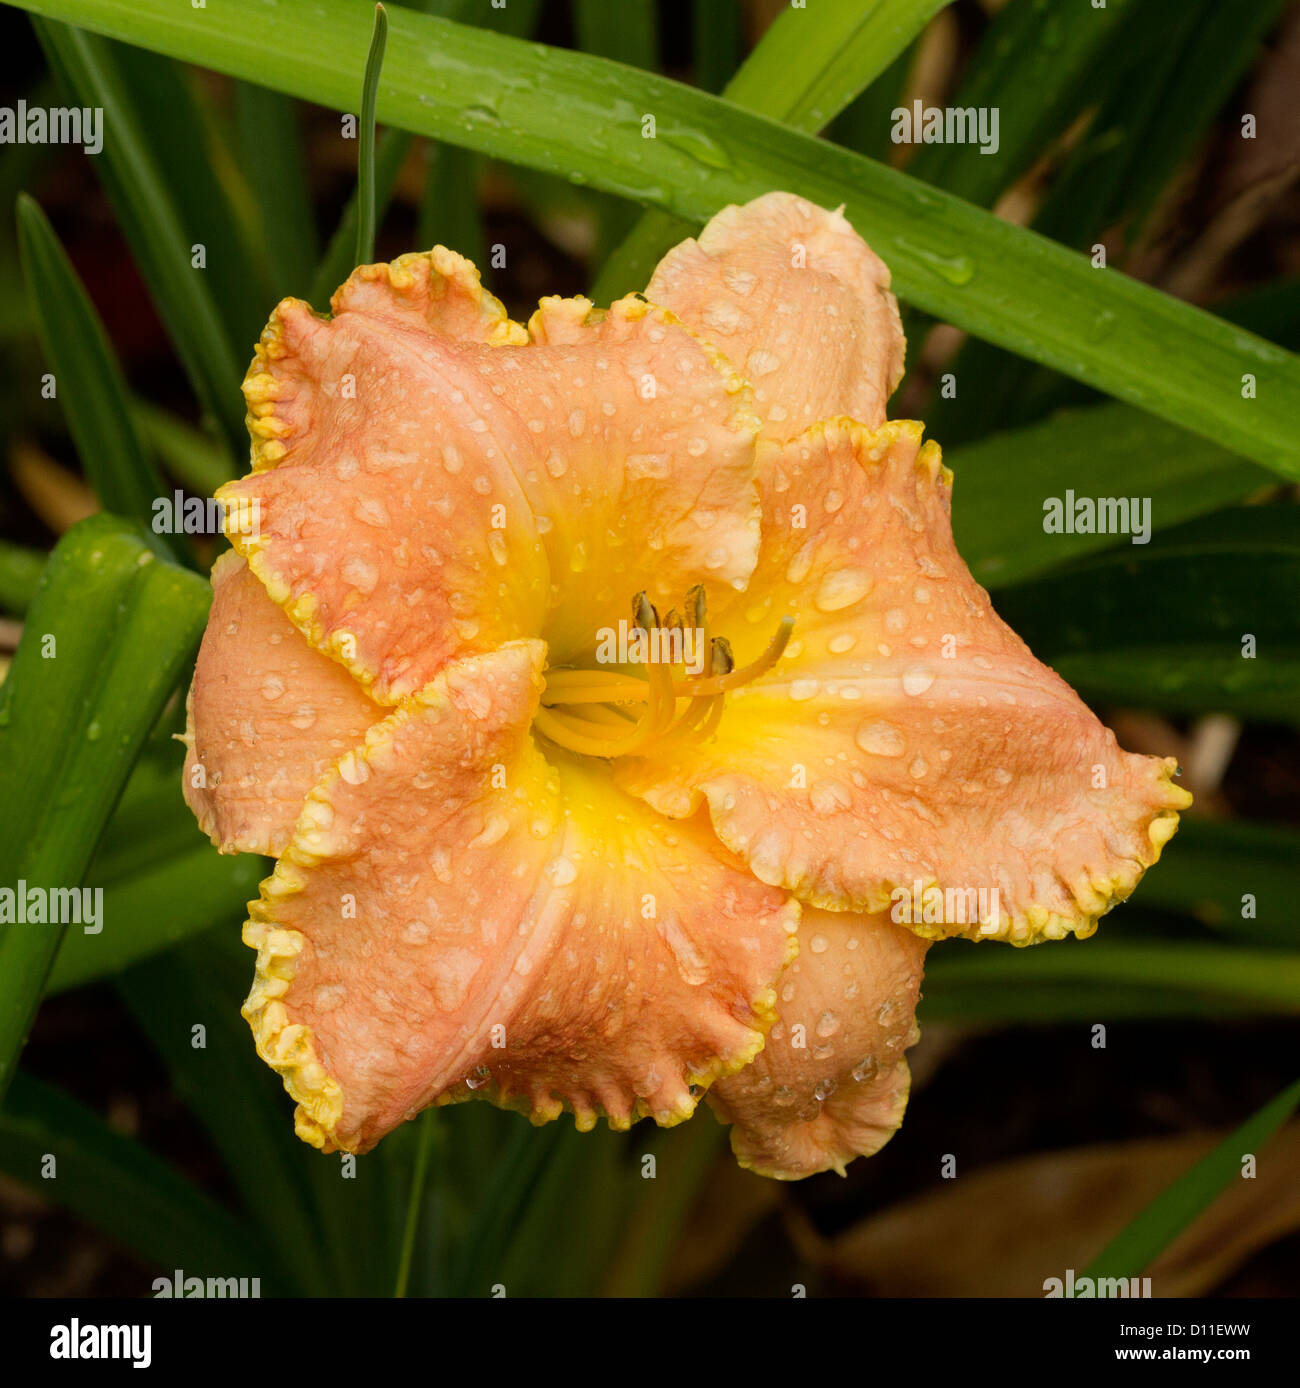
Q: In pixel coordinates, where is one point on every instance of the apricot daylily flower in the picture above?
(510, 870)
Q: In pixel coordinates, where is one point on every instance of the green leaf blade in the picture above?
(1165, 624)
(120, 1187)
(997, 281)
(1002, 483)
(1174, 1209)
(92, 389)
(152, 222)
(1081, 979)
(803, 72)
(366, 139)
(271, 152)
(105, 641)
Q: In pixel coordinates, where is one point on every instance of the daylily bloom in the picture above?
(510, 870)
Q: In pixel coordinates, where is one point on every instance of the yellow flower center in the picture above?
(617, 713)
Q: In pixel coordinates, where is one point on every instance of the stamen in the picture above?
(585, 711)
(592, 687)
(709, 723)
(721, 684)
(697, 609)
(566, 733)
(607, 714)
(663, 705)
(703, 713)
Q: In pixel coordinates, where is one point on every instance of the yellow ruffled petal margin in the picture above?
(892, 500)
(291, 1049)
(440, 294)
(287, 1047)
(1095, 896)
(454, 274)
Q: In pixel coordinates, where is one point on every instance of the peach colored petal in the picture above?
(798, 301)
(643, 478)
(391, 525)
(831, 1083)
(908, 739)
(437, 292)
(267, 715)
(456, 916)
(431, 480)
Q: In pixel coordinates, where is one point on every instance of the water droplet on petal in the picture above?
(881, 739)
(723, 317)
(761, 363)
(829, 797)
(841, 589)
(797, 569)
(359, 573)
(560, 872)
(917, 679)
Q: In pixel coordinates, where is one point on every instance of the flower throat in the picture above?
(609, 713)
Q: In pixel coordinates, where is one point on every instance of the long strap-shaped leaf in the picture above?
(122, 1188)
(1033, 64)
(1172, 978)
(105, 641)
(804, 71)
(137, 183)
(20, 574)
(1237, 876)
(437, 223)
(89, 381)
(814, 61)
(153, 908)
(1174, 1209)
(575, 115)
(225, 1087)
(1109, 450)
(1205, 632)
(271, 153)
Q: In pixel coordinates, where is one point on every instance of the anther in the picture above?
(643, 613)
(585, 710)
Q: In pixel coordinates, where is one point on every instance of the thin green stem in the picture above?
(366, 135)
(413, 1204)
